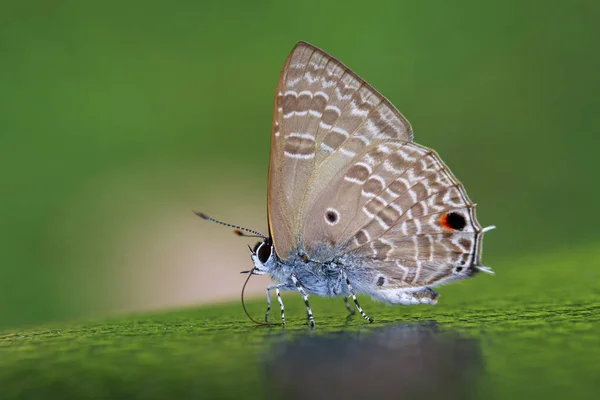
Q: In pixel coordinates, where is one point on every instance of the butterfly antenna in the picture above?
(237, 229)
(250, 273)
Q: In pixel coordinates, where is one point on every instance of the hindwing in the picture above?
(399, 213)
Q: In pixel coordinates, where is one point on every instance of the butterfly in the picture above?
(354, 205)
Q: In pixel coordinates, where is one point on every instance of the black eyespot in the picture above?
(331, 216)
(458, 269)
(380, 281)
(462, 262)
(456, 221)
(263, 252)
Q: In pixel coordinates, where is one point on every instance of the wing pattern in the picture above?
(324, 115)
(348, 185)
(398, 209)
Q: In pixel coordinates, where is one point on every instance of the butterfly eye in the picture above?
(454, 221)
(263, 252)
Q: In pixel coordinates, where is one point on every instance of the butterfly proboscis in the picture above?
(240, 231)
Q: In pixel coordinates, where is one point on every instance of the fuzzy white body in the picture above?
(327, 280)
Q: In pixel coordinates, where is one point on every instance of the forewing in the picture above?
(324, 116)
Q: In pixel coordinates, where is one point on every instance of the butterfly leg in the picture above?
(301, 290)
(350, 310)
(358, 307)
(276, 287)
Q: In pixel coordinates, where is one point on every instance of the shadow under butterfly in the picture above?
(412, 361)
(354, 205)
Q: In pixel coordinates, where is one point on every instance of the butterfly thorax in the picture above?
(318, 278)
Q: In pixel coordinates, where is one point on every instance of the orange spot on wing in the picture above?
(444, 222)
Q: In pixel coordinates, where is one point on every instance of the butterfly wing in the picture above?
(403, 220)
(324, 117)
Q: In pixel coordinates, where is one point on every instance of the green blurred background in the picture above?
(119, 118)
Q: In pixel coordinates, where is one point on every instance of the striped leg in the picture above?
(350, 310)
(351, 291)
(276, 287)
(300, 289)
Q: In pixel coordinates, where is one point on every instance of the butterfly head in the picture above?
(263, 256)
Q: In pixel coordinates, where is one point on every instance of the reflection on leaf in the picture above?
(402, 361)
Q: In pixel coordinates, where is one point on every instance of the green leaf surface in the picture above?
(529, 331)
